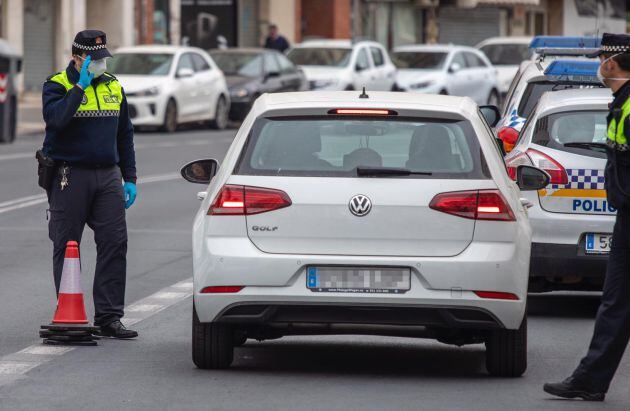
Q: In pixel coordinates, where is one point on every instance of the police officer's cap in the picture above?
(615, 43)
(86, 41)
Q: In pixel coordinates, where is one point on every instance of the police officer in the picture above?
(591, 379)
(90, 138)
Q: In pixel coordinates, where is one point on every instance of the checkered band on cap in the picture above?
(616, 49)
(88, 48)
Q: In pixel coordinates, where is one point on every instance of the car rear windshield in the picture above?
(316, 56)
(239, 64)
(418, 60)
(507, 54)
(144, 64)
(556, 130)
(535, 90)
(325, 146)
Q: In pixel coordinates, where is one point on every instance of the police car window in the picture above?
(536, 89)
(325, 146)
(377, 56)
(271, 64)
(556, 130)
(185, 61)
(200, 63)
(459, 59)
(362, 60)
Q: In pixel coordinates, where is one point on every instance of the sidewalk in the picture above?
(30, 119)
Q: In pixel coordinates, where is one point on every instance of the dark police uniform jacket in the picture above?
(88, 127)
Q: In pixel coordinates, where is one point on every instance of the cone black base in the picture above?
(69, 334)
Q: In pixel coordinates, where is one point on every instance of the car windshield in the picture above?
(535, 90)
(418, 60)
(239, 64)
(320, 56)
(143, 64)
(507, 54)
(556, 130)
(325, 146)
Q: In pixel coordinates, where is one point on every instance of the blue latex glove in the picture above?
(85, 77)
(130, 193)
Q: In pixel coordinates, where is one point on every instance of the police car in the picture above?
(571, 219)
(551, 71)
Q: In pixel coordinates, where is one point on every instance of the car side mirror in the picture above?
(200, 171)
(491, 114)
(272, 74)
(185, 72)
(455, 67)
(530, 178)
(359, 68)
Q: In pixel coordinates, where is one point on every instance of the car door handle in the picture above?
(201, 195)
(526, 203)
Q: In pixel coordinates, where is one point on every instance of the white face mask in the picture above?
(97, 67)
(601, 77)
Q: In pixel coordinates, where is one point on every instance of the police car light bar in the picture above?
(564, 42)
(572, 68)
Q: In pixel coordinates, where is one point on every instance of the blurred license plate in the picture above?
(358, 280)
(598, 243)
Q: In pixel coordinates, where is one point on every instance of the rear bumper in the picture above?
(440, 286)
(562, 260)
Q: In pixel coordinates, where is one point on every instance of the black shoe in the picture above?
(116, 329)
(572, 388)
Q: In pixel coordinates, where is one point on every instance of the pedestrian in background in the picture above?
(276, 41)
(89, 140)
(591, 380)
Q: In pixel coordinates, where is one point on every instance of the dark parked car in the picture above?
(252, 72)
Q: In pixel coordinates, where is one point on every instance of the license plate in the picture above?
(598, 243)
(358, 280)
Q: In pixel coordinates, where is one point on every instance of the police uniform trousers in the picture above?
(94, 196)
(612, 324)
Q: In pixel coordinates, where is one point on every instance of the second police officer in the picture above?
(591, 379)
(90, 138)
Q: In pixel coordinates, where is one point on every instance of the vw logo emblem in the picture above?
(360, 205)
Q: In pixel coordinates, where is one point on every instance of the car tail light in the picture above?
(537, 159)
(363, 112)
(246, 200)
(509, 136)
(496, 295)
(222, 289)
(477, 205)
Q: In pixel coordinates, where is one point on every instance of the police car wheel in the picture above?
(506, 351)
(170, 117)
(221, 114)
(212, 344)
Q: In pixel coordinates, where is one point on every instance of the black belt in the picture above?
(88, 166)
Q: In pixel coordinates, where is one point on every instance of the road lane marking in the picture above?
(19, 363)
(165, 144)
(32, 200)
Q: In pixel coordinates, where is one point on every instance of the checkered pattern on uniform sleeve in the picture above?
(583, 179)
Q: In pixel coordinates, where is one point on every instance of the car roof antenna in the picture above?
(363, 94)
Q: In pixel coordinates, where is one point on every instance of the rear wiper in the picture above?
(388, 171)
(601, 147)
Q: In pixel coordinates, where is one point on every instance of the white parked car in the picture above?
(571, 219)
(506, 55)
(169, 85)
(332, 214)
(344, 65)
(446, 69)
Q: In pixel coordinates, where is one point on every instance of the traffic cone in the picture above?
(70, 324)
(70, 305)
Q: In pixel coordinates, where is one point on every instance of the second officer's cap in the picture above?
(615, 43)
(93, 43)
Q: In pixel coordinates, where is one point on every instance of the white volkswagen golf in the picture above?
(341, 213)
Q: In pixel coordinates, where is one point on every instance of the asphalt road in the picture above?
(298, 373)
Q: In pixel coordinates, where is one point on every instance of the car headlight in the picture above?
(424, 84)
(240, 92)
(153, 91)
(323, 83)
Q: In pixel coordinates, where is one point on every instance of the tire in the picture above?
(493, 98)
(170, 117)
(221, 115)
(212, 344)
(349, 88)
(443, 93)
(506, 352)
